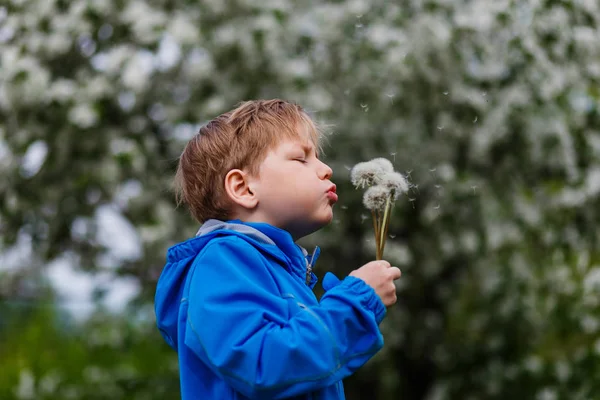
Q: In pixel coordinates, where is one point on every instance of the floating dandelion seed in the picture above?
(475, 120)
(393, 155)
(432, 169)
(344, 207)
(445, 93)
(349, 168)
(412, 201)
(474, 187)
(437, 186)
(392, 236)
(437, 207)
(415, 186)
(440, 128)
(484, 94)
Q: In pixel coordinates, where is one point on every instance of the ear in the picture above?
(238, 188)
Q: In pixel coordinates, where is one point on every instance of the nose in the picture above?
(325, 171)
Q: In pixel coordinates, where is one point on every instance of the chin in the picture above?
(322, 223)
(308, 226)
(309, 229)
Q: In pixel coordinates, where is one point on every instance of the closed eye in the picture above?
(303, 161)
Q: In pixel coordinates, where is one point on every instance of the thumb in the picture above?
(330, 281)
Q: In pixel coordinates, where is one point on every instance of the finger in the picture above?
(385, 263)
(395, 272)
(391, 300)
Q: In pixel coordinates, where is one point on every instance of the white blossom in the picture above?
(83, 115)
(138, 69)
(62, 90)
(169, 53)
(34, 158)
(57, 43)
(146, 21)
(591, 281)
(183, 30)
(198, 63)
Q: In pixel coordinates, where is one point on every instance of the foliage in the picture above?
(52, 357)
(491, 107)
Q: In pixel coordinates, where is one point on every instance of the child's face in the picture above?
(294, 189)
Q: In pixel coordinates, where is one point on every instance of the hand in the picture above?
(380, 275)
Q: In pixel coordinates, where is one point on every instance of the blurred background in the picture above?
(490, 107)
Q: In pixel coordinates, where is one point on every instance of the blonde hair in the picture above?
(239, 139)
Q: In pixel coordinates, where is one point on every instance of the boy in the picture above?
(236, 301)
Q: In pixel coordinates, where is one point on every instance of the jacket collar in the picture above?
(300, 261)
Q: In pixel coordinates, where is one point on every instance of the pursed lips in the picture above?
(331, 194)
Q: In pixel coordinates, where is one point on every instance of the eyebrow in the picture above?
(308, 148)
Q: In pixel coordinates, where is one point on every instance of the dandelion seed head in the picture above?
(385, 164)
(375, 198)
(395, 183)
(366, 174)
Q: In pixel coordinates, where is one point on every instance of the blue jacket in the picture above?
(236, 303)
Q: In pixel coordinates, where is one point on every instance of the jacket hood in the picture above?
(180, 257)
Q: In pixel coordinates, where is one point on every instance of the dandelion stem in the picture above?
(385, 223)
(375, 228)
(379, 224)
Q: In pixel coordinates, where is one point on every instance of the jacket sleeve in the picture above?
(241, 327)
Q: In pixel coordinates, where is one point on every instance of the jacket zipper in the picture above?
(309, 266)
